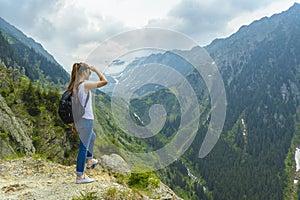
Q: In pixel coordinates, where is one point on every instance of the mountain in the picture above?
(29, 98)
(29, 120)
(255, 155)
(32, 136)
(260, 67)
(29, 42)
(19, 51)
(34, 143)
(167, 58)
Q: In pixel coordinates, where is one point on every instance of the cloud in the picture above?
(64, 28)
(205, 20)
(25, 13)
(71, 29)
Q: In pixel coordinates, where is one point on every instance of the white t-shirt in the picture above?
(82, 98)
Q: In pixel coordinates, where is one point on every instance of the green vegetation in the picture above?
(36, 106)
(117, 194)
(14, 156)
(138, 180)
(87, 196)
(142, 180)
(291, 189)
(139, 184)
(4, 135)
(16, 54)
(260, 70)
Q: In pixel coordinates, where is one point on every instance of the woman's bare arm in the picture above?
(95, 84)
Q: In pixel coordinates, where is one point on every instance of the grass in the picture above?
(87, 196)
(120, 194)
(13, 156)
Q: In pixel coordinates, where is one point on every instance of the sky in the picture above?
(71, 29)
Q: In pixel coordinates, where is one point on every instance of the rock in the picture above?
(11, 125)
(29, 178)
(14, 187)
(5, 148)
(115, 163)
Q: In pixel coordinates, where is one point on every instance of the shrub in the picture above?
(143, 180)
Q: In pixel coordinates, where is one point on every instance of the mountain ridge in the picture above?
(24, 54)
(294, 10)
(28, 41)
(254, 157)
(260, 67)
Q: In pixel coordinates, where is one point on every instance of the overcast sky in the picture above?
(71, 29)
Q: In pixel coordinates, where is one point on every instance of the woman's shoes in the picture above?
(92, 164)
(86, 179)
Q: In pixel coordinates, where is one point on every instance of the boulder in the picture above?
(115, 163)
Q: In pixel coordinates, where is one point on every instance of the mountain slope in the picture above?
(30, 126)
(260, 66)
(29, 42)
(29, 120)
(23, 53)
(254, 157)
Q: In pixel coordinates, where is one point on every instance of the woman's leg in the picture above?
(81, 158)
(85, 129)
(90, 151)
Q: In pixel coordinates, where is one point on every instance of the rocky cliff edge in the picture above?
(36, 178)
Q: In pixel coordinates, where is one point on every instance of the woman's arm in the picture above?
(95, 84)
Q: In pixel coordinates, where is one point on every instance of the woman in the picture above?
(84, 126)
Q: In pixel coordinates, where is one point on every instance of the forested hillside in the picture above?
(254, 157)
(24, 54)
(261, 65)
(29, 121)
(30, 83)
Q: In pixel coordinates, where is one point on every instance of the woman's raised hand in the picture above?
(93, 68)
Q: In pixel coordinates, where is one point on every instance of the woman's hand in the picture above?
(92, 85)
(73, 128)
(93, 68)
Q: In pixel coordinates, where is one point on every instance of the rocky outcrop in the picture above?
(115, 163)
(29, 178)
(12, 132)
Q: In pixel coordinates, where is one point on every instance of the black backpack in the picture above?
(65, 106)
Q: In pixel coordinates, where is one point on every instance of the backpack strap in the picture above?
(79, 84)
(87, 98)
(88, 95)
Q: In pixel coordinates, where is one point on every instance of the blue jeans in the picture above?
(86, 146)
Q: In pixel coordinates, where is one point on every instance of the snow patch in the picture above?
(136, 116)
(244, 127)
(297, 159)
(195, 178)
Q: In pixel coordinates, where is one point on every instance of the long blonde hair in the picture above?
(73, 75)
(76, 73)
